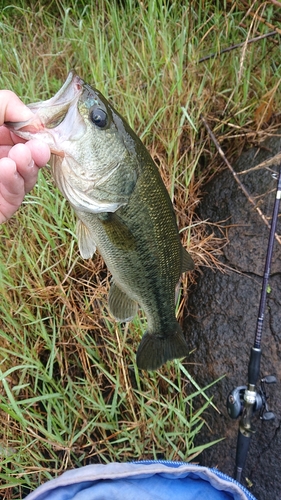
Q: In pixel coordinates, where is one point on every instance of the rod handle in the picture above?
(254, 366)
(243, 443)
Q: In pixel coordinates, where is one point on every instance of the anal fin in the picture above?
(120, 305)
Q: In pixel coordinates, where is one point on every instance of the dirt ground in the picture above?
(222, 315)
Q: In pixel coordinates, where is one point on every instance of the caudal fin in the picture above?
(155, 349)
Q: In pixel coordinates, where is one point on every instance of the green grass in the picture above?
(70, 390)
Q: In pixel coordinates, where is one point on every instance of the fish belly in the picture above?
(141, 247)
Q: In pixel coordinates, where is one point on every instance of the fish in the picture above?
(123, 210)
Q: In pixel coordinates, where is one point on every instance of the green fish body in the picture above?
(123, 210)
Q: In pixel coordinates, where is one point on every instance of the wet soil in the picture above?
(222, 316)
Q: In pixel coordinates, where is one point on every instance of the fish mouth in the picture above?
(49, 114)
(65, 96)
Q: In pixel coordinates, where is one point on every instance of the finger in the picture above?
(12, 108)
(6, 136)
(21, 155)
(9, 176)
(40, 151)
(4, 151)
(26, 167)
(11, 189)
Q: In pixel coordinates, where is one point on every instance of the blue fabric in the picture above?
(153, 481)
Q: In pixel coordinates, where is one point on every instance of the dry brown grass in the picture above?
(67, 396)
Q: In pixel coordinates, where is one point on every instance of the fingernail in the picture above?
(31, 164)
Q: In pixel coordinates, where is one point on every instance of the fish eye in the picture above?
(98, 117)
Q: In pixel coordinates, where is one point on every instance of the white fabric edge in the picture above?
(115, 470)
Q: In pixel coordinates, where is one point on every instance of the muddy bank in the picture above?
(222, 316)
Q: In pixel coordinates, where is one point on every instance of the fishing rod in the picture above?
(245, 400)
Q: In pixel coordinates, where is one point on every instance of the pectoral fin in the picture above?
(86, 244)
(187, 263)
(120, 305)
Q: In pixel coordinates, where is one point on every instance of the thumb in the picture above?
(12, 108)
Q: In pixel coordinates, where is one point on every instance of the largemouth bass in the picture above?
(123, 210)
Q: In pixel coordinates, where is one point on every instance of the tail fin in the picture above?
(156, 348)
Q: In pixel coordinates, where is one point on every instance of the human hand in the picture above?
(19, 160)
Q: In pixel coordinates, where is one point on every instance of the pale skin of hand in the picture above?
(20, 161)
